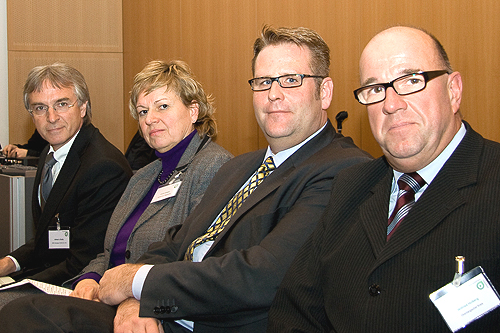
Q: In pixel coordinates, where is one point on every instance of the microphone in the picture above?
(340, 117)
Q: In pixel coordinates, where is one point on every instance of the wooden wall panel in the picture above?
(102, 71)
(215, 37)
(85, 34)
(151, 30)
(65, 25)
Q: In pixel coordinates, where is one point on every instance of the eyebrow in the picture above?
(373, 80)
(163, 100)
(64, 99)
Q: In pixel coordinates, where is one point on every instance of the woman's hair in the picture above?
(175, 76)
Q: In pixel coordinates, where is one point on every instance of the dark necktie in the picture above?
(232, 206)
(46, 183)
(409, 184)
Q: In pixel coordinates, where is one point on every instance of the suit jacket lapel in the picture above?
(277, 177)
(271, 183)
(186, 158)
(442, 197)
(135, 193)
(65, 177)
(375, 209)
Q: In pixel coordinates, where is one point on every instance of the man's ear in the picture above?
(326, 92)
(455, 90)
(83, 109)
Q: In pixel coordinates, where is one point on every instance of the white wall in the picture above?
(4, 95)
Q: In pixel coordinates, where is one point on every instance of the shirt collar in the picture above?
(281, 156)
(61, 153)
(431, 170)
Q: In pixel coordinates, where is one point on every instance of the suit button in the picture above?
(127, 254)
(174, 308)
(156, 310)
(167, 309)
(163, 309)
(374, 290)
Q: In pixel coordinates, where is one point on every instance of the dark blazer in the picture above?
(86, 191)
(232, 288)
(347, 278)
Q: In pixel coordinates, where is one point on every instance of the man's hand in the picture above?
(127, 319)
(7, 266)
(12, 151)
(116, 284)
(86, 289)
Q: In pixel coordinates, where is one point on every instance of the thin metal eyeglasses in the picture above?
(59, 107)
(403, 85)
(285, 81)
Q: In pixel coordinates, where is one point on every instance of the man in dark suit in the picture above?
(226, 282)
(366, 270)
(87, 179)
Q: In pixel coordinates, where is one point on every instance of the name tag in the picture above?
(472, 299)
(58, 239)
(166, 191)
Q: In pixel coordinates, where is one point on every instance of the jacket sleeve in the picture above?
(239, 281)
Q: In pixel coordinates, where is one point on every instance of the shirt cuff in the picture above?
(139, 279)
(18, 267)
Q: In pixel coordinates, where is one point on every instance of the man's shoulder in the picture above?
(95, 152)
(92, 142)
(338, 153)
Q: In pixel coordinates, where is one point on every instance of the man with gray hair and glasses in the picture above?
(408, 241)
(76, 188)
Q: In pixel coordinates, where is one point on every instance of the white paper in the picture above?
(6, 280)
(45, 287)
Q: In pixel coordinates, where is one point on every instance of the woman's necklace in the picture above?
(202, 144)
(166, 179)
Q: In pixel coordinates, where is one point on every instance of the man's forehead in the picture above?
(396, 53)
(49, 91)
(284, 52)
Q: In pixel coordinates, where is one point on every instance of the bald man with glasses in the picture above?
(403, 236)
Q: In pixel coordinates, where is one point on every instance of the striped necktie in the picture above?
(409, 184)
(232, 206)
(46, 179)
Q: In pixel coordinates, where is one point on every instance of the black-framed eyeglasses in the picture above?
(42, 109)
(285, 81)
(403, 85)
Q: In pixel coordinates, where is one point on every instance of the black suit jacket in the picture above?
(232, 288)
(347, 278)
(88, 187)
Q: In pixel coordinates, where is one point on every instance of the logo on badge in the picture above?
(480, 285)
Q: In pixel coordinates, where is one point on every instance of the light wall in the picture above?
(215, 38)
(86, 34)
(4, 79)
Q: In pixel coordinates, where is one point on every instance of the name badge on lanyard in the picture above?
(59, 238)
(467, 298)
(166, 191)
(169, 190)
